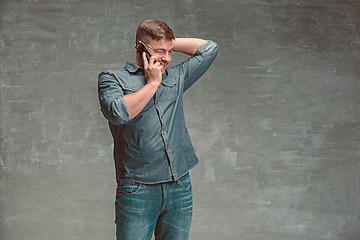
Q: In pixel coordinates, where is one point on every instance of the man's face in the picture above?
(162, 50)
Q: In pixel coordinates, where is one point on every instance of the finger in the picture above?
(152, 60)
(157, 65)
(146, 63)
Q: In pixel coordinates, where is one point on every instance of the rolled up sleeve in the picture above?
(111, 98)
(197, 65)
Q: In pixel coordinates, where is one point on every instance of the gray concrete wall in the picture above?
(275, 121)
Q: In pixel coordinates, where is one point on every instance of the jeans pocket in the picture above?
(126, 187)
(185, 182)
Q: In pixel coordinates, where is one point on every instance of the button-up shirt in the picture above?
(154, 146)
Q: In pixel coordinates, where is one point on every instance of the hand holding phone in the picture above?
(152, 68)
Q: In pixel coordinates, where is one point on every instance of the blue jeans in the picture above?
(163, 209)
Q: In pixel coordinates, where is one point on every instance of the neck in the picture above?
(139, 61)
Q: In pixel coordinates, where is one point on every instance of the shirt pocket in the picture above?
(171, 88)
(129, 88)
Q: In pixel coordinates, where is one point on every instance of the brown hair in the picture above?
(153, 29)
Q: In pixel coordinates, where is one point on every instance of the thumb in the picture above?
(146, 63)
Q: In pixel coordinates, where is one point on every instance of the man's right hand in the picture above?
(152, 70)
(136, 101)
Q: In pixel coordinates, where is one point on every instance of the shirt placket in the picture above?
(164, 135)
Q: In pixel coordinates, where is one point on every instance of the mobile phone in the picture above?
(142, 48)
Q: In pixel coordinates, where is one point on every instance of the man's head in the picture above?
(158, 38)
(153, 30)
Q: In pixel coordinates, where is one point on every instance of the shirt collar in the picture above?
(132, 67)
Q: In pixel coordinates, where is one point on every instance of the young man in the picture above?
(143, 103)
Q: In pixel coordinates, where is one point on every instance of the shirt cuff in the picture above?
(207, 48)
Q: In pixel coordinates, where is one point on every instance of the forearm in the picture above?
(188, 45)
(196, 66)
(137, 101)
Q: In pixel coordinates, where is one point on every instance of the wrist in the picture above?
(153, 84)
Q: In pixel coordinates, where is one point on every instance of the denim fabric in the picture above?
(155, 146)
(165, 208)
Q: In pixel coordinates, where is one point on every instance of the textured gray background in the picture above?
(275, 121)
